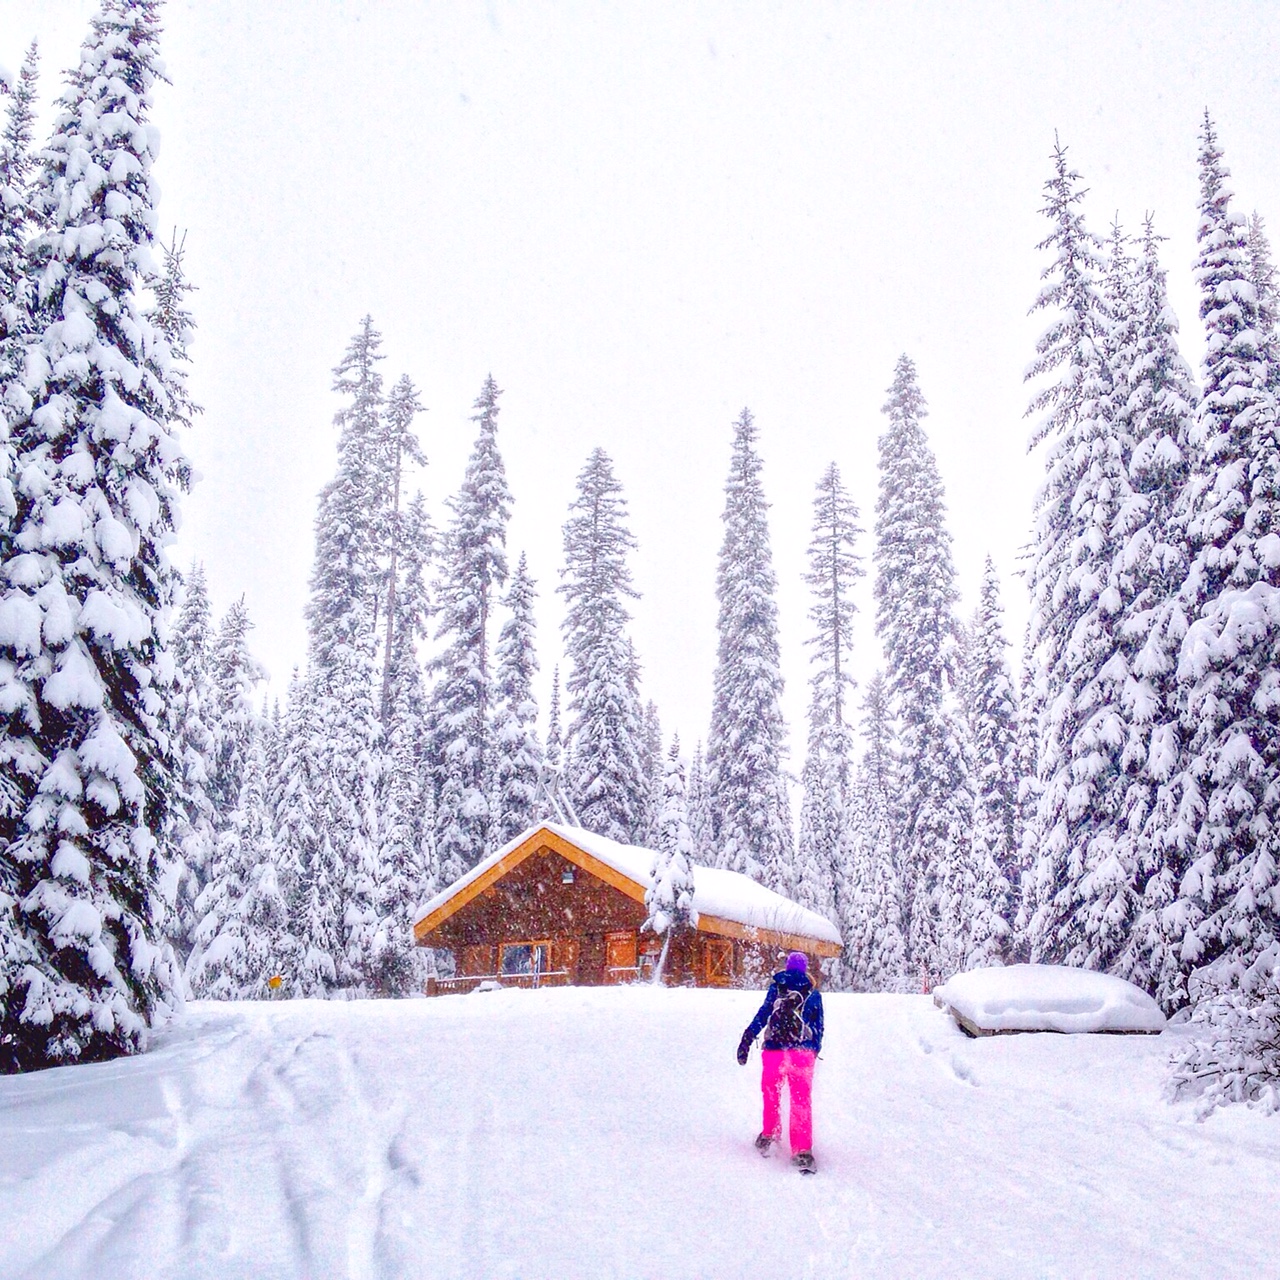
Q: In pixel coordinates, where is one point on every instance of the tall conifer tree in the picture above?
(519, 753)
(341, 689)
(1229, 909)
(401, 445)
(915, 594)
(834, 568)
(407, 872)
(1161, 398)
(604, 740)
(1087, 582)
(748, 801)
(87, 584)
(474, 568)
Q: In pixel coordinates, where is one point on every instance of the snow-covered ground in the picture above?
(607, 1132)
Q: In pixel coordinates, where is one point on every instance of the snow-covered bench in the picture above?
(1047, 997)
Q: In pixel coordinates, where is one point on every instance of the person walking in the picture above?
(791, 1019)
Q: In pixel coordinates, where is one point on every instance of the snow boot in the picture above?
(804, 1161)
(764, 1145)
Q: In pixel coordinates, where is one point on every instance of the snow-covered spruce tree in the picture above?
(749, 808)
(972, 893)
(699, 805)
(18, 223)
(868, 887)
(1087, 871)
(474, 567)
(654, 765)
(834, 568)
(347, 575)
(991, 713)
(1228, 913)
(235, 675)
(306, 871)
(86, 583)
(516, 746)
(243, 937)
(1031, 690)
(215, 963)
(1262, 275)
(669, 897)
(915, 593)
(193, 728)
(881, 755)
(407, 874)
(819, 850)
(400, 446)
(270, 948)
(1159, 409)
(605, 769)
(346, 582)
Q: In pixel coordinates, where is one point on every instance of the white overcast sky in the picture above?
(641, 217)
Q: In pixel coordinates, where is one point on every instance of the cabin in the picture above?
(559, 906)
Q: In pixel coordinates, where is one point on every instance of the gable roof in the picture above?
(727, 902)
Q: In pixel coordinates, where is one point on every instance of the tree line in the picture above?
(1111, 806)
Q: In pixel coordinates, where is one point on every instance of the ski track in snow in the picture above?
(598, 1133)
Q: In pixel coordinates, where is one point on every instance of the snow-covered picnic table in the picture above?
(1047, 997)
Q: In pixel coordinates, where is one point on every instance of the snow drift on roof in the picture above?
(1049, 997)
(726, 894)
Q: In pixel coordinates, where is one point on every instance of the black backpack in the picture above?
(787, 1026)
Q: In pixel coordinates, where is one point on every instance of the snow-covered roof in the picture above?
(1049, 997)
(727, 895)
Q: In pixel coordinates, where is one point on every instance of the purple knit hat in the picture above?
(797, 962)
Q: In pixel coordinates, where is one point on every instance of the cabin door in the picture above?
(620, 957)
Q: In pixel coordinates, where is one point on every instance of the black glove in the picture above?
(744, 1047)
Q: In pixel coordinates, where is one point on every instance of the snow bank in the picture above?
(605, 1133)
(1048, 997)
(726, 894)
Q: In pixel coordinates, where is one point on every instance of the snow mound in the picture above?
(1047, 997)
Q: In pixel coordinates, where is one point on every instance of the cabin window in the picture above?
(718, 956)
(524, 958)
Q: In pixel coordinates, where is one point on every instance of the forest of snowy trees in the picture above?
(1107, 800)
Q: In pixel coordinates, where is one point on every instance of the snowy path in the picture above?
(601, 1133)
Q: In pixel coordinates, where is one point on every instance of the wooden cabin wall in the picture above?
(531, 903)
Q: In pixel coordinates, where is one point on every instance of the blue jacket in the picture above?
(812, 1012)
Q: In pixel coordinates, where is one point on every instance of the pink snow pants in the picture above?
(795, 1066)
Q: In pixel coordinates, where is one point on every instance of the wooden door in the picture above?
(619, 957)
